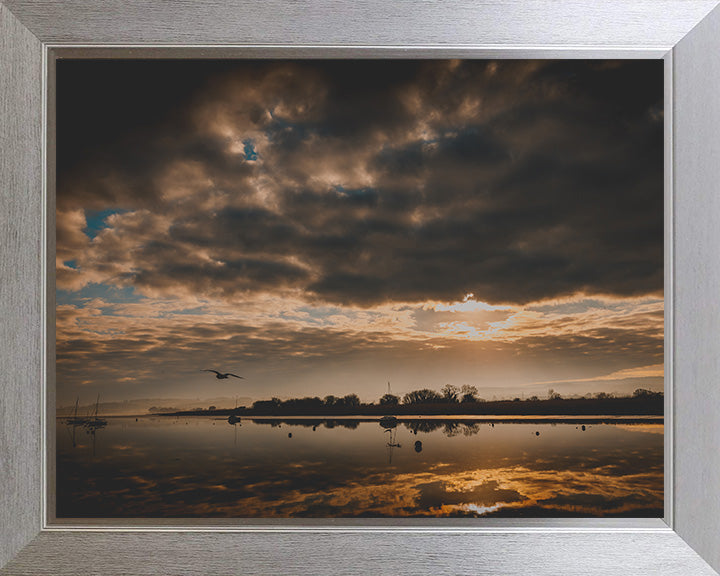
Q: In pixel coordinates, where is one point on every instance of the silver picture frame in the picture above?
(684, 33)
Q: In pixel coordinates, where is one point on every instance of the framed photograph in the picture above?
(438, 276)
(431, 297)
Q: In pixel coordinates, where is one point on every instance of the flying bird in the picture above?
(221, 376)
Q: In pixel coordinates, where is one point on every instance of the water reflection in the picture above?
(170, 467)
(90, 425)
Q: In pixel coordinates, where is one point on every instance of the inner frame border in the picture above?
(54, 52)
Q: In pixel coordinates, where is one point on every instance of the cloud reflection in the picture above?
(343, 472)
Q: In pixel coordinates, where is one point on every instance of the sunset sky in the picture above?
(324, 227)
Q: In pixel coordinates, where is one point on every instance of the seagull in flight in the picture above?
(221, 376)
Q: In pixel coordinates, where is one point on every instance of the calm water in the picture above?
(205, 467)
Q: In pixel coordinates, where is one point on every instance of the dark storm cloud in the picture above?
(366, 182)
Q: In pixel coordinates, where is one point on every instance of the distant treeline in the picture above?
(450, 401)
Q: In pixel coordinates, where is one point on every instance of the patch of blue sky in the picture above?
(96, 220)
(249, 150)
(196, 311)
(106, 292)
(71, 264)
(581, 306)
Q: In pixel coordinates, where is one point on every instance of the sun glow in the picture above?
(468, 304)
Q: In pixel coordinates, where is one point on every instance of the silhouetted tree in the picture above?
(469, 393)
(266, 406)
(351, 400)
(644, 393)
(330, 400)
(423, 396)
(389, 400)
(450, 393)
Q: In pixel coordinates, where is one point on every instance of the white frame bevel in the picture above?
(685, 33)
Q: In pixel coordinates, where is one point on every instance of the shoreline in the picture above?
(486, 418)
